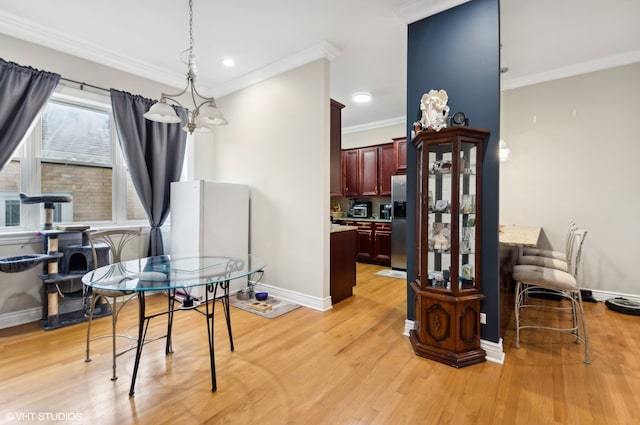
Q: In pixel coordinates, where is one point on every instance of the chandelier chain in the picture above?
(204, 113)
(190, 29)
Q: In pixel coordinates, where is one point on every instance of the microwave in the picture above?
(362, 210)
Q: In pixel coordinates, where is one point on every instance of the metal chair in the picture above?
(117, 241)
(532, 280)
(550, 258)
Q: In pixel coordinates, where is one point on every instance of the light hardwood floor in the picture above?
(349, 365)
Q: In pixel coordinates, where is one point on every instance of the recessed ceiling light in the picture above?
(228, 62)
(361, 97)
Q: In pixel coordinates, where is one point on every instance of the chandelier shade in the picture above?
(162, 112)
(210, 115)
(204, 114)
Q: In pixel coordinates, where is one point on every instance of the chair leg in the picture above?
(517, 297)
(114, 320)
(94, 299)
(587, 353)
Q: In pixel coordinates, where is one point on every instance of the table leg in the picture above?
(143, 324)
(171, 297)
(209, 316)
(227, 314)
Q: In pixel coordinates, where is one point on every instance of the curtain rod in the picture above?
(83, 85)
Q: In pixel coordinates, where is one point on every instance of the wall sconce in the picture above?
(503, 151)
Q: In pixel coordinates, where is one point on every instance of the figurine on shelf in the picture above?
(434, 109)
(440, 243)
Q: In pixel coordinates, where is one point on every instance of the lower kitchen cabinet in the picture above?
(382, 243)
(343, 265)
(373, 242)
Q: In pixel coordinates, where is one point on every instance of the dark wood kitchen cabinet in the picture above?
(400, 155)
(367, 171)
(335, 161)
(350, 173)
(343, 265)
(386, 168)
(382, 243)
(373, 242)
(368, 168)
(364, 242)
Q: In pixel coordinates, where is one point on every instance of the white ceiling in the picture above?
(365, 40)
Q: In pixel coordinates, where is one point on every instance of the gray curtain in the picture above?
(154, 153)
(23, 93)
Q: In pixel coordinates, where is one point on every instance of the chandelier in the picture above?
(205, 113)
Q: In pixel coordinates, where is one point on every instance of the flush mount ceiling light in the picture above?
(361, 97)
(228, 62)
(205, 113)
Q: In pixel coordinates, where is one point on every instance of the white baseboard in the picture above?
(316, 303)
(21, 317)
(495, 352)
(408, 325)
(605, 295)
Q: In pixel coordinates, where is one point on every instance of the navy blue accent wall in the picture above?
(458, 50)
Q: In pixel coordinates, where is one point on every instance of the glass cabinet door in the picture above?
(467, 215)
(448, 184)
(440, 204)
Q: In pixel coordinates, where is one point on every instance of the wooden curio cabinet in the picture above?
(447, 287)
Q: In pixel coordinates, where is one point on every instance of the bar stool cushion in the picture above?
(551, 263)
(545, 277)
(558, 255)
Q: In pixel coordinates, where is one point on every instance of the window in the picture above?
(72, 150)
(77, 151)
(11, 213)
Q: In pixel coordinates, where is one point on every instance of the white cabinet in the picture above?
(210, 218)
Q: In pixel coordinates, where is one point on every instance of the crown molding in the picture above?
(322, 50)
(17, 27)
(572, 70)
(374, 124)
(420, 9)
(20, 28)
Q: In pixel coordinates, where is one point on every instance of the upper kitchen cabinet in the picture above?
(335, 166)
(400, 155)
(350, 173)
(367, 171)
(368, 168)
(386, 168)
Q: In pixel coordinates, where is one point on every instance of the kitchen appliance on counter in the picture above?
(385, 211)
(362, 210)
(399, 222)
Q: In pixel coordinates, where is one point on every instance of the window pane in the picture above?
(134, 206)
(9, 190)
(76, 134)
(11, 212)
(90, 188)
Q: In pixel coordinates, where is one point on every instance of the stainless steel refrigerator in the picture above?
(399, 222)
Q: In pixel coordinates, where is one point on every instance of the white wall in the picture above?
(574, 157)
(374, 136)
(277, 142)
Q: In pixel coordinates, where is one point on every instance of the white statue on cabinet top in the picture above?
(434, 109)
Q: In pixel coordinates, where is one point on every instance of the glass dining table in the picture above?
(176, 276)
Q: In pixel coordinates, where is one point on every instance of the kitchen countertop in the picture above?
(522, 236)
(340, 228)
(370, 220)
